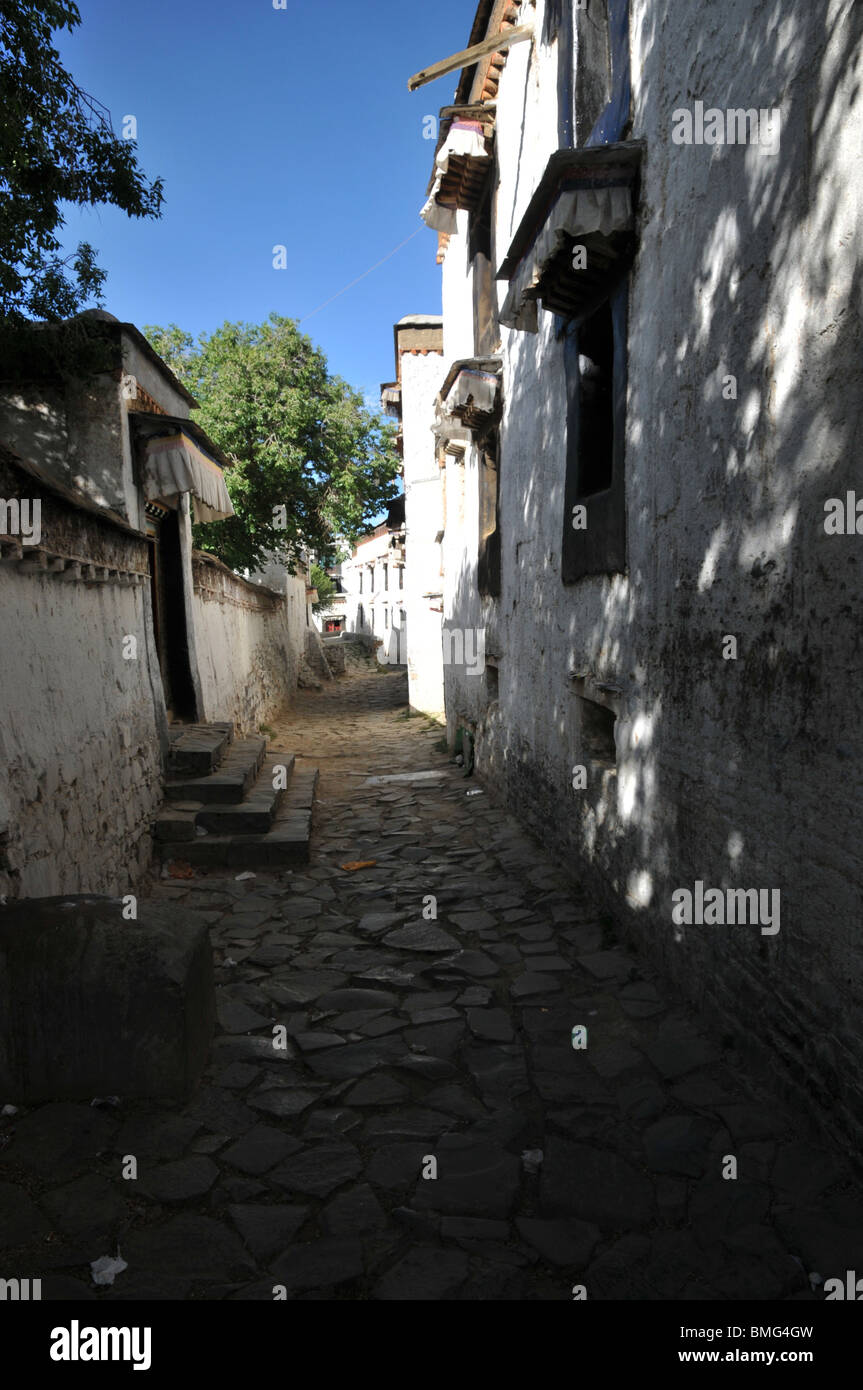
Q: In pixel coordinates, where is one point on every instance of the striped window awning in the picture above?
(469, 397)
(461, 167)
(391, 399)
(576, 237)
(174, 464)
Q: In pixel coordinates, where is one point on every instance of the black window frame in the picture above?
(600, 549)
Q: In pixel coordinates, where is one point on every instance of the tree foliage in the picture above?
(56, 146)
(311, 461)
(326, 588)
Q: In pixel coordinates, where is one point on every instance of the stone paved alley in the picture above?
(411, 1039)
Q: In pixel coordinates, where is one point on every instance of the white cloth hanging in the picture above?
(464, 139)
(175, 464)
(577, 212)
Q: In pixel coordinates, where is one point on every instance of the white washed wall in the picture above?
(79, 741)
(422, 378)
(248, 647)
(740, 773)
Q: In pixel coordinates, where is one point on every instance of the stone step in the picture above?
(255, 814)
(197, 749)
(285, 845)
(185, 820)
(230, 783)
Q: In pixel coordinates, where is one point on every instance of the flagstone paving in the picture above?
(428, 1005)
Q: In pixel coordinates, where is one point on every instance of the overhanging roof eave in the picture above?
(626, 155)
(148, 424)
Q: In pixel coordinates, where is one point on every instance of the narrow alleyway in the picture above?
(419, 1046)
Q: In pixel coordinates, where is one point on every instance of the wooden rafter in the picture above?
(497, 44)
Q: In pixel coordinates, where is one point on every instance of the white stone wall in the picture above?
(79, 739)
(249, 640)
(743, 772)
(457, 296)
(421, 379)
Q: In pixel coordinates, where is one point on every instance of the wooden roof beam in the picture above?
(497, 44)
(474, 110)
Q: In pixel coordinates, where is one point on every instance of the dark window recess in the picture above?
(488, 568)
(594, 341)
(555, 12)
(595, 367)
(485, 326)
(606, 22)
(597, 732)
(593, 84)
(492, 683)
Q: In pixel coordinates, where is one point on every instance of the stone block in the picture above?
(94, 1005)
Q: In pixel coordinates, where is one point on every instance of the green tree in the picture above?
(310, 460)
(56, 146)
(326, 588)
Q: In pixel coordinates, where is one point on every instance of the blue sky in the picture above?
(270, 127)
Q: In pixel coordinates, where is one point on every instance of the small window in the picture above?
(386, 617)
(597, 732)
(595, 341)
(386, 577)
(603, 71)
(401, 576)
(492, 683)
(488, 569)
(594, 528)
(361, 583)
(593, 81)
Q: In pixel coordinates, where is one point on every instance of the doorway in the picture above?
(402, 646)
(169, 613)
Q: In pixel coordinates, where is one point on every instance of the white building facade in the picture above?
(411, 399)
(652, 387)
(373, 598)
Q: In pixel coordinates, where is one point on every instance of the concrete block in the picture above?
(94, 1005)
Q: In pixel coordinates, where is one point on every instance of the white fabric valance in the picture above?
(447, 428)
(577, 212)
(476, 388)
(464, 139)
(175, 464)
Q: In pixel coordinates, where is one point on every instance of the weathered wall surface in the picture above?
(80, 736)
(469, 619)
(76, 433)
(422, 378)
(248, 642)
(740, 773)
(76, 429)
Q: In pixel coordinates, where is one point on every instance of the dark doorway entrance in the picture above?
(169, 614)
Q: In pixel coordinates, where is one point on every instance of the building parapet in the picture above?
(215, 582)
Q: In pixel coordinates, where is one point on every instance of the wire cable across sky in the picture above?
(381, 262)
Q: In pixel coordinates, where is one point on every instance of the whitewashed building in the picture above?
(372, 581)
(649, 223)
(411, 400)
(111, 624)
